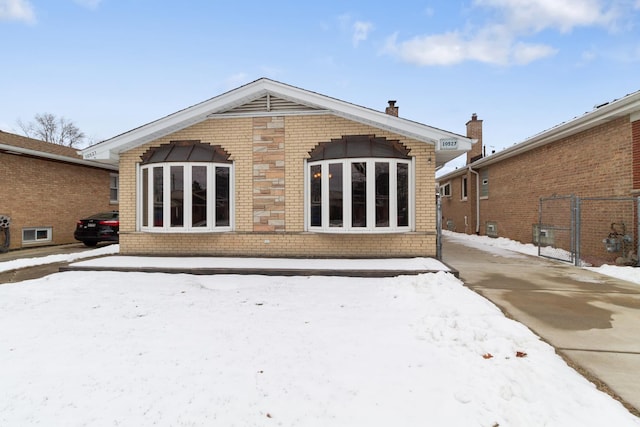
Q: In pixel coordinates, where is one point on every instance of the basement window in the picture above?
(36, 235)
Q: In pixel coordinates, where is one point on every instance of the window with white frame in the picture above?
(186, 186)
(484, 183)
(113, 188)
(36, 235)
(464, 188)
(369, 192)
(445, 189)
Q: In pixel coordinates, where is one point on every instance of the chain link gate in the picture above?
(555, 232)
(591, 230)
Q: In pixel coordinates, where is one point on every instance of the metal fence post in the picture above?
(438, 228)
(638, 233)
(576, 230)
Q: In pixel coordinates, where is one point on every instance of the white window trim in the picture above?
(371, 228)
(445, 185)
(49, 237)
(167, 228)
(464, 188)
(117, 188)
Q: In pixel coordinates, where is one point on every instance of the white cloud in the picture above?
(501, 41)
(524, 53)
(564, 15)
(17, 10)
(89, 4)
(361, 31)
(491, 46)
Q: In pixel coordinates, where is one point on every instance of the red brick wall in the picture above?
(636, 154)
(42, 193)
(595, 163)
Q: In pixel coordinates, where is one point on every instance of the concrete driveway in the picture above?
(37, 252)
(592, 320)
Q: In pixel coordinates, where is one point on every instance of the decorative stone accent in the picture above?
(268, 174)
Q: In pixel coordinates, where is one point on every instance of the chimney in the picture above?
(474, 131)
(392, 110)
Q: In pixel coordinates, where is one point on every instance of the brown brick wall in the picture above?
(474, 131)
(43, 193)
(594, 163)
(241, 138)
(635, 126)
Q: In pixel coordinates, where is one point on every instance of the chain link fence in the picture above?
(589, 230)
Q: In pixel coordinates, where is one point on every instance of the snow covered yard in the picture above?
(142, 349)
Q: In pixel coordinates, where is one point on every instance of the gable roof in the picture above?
(265, 97)
(21, 145)
(628, 105)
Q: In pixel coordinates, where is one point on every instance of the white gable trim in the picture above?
(109, 150)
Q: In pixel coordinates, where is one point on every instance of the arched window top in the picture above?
(353, 146)
(185, 151)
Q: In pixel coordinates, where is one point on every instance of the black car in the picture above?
(101, 227)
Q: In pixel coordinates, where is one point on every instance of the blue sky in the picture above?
(522, 65)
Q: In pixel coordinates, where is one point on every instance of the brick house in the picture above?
(269, 169)
(47, 188)
(596, 155)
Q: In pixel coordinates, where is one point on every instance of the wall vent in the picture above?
(491, 229)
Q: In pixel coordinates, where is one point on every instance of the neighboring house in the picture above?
(269, 169)
(47, 187)
(593, 156)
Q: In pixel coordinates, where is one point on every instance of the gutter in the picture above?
(477, 198)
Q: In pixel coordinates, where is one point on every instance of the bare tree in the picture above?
(57, 130)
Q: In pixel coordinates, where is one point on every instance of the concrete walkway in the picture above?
(592, 320)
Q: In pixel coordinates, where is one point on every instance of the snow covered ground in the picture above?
(143, 349)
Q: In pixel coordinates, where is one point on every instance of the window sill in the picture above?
(358, 232)
(183, 231)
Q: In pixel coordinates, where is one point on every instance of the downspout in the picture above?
(477, 199)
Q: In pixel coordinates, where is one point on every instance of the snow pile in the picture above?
(52, 259)
(142, 349)
(385, 264)
(497, 245)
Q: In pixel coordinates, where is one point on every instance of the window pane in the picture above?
(382, 194)
(42, 235)
(359, 194)
(316, 195)
(158, 187)
(335, 195)
(403, 194)
(29, 235)
(199, 196)
(113, 188)
(177, 196)
(145, 197)
(222, 197)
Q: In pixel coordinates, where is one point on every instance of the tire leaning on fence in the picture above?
(5, 233)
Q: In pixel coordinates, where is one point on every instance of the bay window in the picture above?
(359, 194)
(194, 194)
